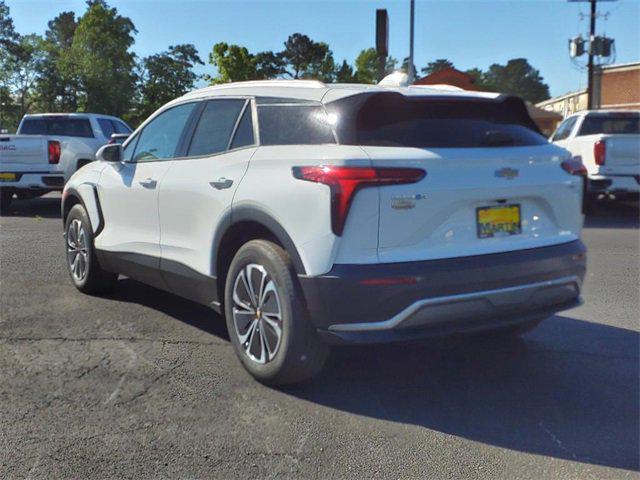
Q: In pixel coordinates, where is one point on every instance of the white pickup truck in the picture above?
(608, 142)
(49, 148)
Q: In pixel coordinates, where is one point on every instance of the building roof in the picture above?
(314, 90)
(450, 76)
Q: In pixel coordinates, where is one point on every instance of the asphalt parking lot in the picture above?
(143, 384)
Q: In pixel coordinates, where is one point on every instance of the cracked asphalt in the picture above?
(143, 384)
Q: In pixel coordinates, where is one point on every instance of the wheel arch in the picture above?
(241, 225)
(87, 196)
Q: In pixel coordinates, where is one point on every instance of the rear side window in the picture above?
(215, 126)
(244, 133)
(565, 129)
(159, 138)
(120, 127)
(61, 126)
(106, 126)
(291, 124)
(610, 124)
(391, 119)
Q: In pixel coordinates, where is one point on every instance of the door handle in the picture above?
(148, 183)
(222, 183)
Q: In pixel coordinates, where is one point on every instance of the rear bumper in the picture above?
(438, 297)
(35, 181)
(615, 184)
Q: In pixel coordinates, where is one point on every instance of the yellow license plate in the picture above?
(498, 221)
(7, 177)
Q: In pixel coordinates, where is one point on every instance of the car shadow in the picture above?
(569, 389)
(47, 206)
(613, 214)
(191, 313)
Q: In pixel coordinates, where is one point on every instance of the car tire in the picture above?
(82, 263)
(267, 317)
(6, 196)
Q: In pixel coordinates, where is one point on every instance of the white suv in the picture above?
(312, 214)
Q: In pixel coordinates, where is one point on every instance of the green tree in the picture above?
(306, 57)
(436, 66)
(57, 88)
(21, 67)
(345, 74)
(517, 77)
(367, 66)
(322, 66)
(100, 58)
(269, 65)
(165, 76)
(405, 66)
(233, 62)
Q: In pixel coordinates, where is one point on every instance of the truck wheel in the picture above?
(267, 319)
(82, 263)
(6, 196)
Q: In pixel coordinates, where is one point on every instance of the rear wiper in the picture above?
(495, 138)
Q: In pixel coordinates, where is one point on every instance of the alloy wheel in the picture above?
(77, 250)
(257, 315)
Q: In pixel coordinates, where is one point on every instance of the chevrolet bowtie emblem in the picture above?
(508, 173)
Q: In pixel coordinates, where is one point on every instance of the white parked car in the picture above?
(608, 142)
(311, 214)
(48, 148)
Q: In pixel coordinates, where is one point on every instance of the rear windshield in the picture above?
(390, 119)
(293, 123)
(610, 124)
(62, 126)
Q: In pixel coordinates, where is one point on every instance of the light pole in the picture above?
(411, 73)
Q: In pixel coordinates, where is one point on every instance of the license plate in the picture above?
(498, 221)
(7, 177)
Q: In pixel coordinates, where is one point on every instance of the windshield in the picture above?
(620, 123)
(390, 119)
(62, 126)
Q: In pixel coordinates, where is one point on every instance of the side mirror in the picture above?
(109, 153)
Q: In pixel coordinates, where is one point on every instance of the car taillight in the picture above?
(600, 152)
(344, 182)
(574, 167)
(54, 152)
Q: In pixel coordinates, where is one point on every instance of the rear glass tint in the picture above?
(614, 124)
(291, 124)
(62, 126)
(397, 121)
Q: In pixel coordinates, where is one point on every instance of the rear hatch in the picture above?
(622, 150)
(615, 136)
(23, 151)
(492, 182)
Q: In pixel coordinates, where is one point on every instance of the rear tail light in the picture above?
(344, 182)
(54, 152)
(600, 152)
(574, 167)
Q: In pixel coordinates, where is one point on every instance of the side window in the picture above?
(120, 127)
(159, 139)
(106, 127)
(294, 125)
(127, 153)
(564, 130)
(214, 129)
(244, 132)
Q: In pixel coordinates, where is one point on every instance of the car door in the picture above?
(128, 194)
(197, 192)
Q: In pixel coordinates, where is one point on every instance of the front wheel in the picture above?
(82, 263)
(266, 316)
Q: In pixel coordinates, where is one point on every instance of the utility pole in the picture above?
(412, 74)
(592, 35)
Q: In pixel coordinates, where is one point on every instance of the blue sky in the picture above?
(473, 33)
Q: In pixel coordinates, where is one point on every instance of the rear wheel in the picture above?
(267, 319)
(82, 263)
(6, 196)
